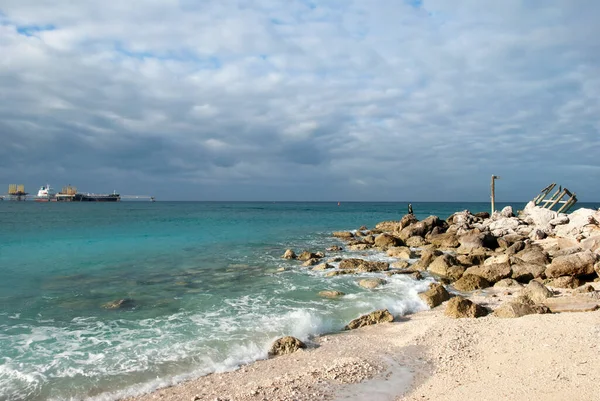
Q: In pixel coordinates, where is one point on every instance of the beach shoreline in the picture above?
(422, 356)
(432, 355)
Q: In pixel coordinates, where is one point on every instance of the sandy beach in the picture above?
(425, 356)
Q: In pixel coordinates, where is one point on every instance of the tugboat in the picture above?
(46, 194)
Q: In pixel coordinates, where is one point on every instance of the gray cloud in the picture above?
(345, 100)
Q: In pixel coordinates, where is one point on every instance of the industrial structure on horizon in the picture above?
(16, 192)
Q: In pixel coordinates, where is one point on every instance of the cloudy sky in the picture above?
(301, 99)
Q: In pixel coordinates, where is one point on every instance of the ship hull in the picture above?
(96, 198)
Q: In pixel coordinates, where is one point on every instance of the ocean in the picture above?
(202, 283)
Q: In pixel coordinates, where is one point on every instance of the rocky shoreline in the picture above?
(486, 268)
(467, 252)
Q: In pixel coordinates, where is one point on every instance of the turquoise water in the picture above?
(203, 280)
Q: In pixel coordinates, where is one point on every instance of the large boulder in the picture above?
(418, 229)
(286, 345)
(565, 282)
(371, 283)
(459, 307)
(446, 266)
(524, 272)
(379, 316)
(385, 241)
(445, 240)
(537, 291)
(577, 264)
(401, 252)
(472, 240)
(361, 265)
(435, 295)
(491, 273)
(470, 282)
(534, 254)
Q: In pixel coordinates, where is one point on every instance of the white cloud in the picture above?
(284, 97)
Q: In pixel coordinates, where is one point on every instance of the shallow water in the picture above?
(202, 277)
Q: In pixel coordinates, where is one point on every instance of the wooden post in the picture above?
(494, 193)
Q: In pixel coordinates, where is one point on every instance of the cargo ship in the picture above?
(70, 194)
(46, 194)
(114, 197)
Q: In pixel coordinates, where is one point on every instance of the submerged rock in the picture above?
(331, 294)
(459, 307)
(379, 316)
(371, 283)
(286, 345)
(124, 303)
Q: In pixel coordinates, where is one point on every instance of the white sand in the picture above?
(426, 356)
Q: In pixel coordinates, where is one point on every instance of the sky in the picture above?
(379, 100)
